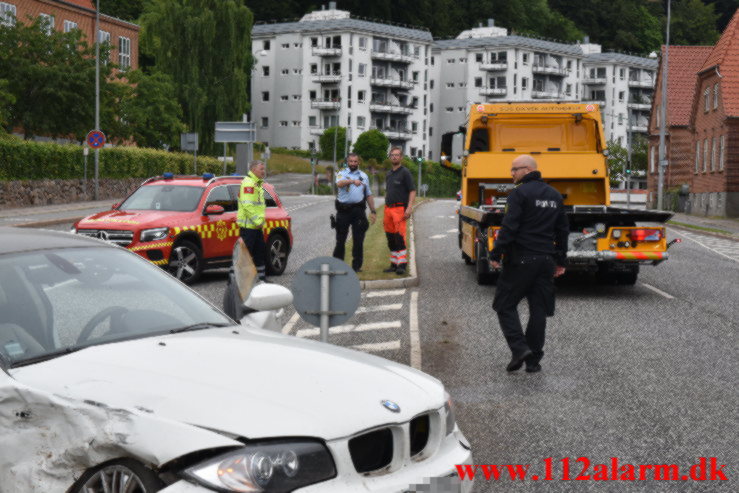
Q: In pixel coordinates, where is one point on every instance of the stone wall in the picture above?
(27, 193)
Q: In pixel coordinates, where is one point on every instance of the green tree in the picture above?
(151, 111)
(130, 10)
(372, 144)
(693, 23)
(51, 77)
(6, 99)
(617, 161)
(639, 153)
(326, 143)
(205, 47)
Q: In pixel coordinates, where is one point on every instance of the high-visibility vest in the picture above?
(251, 203)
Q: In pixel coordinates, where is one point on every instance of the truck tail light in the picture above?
(645, 234)
(495, 234)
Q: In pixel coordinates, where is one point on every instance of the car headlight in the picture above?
(451, 422)
(270, 466)
(154, 234)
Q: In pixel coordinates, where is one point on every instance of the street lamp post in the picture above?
(663, 117)
(97, 91)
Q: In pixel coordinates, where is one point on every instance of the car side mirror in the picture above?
(214, 209)
(115, 206)
(266, 296)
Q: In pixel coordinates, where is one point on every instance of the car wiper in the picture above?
(45, 357)
(198, 326)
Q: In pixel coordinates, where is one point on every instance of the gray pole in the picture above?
(628, 167)
(325, 301)
(663, 116)
(224, 159)
(195, 161)
(97, 90)
(336, 136)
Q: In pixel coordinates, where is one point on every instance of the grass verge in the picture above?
(701, 228)
(286, 163)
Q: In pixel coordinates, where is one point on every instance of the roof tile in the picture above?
(684, 64)
(725, 56)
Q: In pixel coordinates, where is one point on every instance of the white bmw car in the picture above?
(115, 377)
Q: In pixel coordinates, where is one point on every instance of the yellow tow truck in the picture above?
(568, 143)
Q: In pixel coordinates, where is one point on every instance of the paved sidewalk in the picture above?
(47, 215)
(728, 227)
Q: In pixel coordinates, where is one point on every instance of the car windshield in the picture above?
(53, 302)
(179, 198)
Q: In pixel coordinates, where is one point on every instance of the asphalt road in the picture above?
(646, 373)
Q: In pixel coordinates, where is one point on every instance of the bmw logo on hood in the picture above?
(391, 406)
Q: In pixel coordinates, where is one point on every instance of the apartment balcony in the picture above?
(325, 104)
(494, 66)
(327, 52)
(640, 127)
(493, 91)
(385, 107)
(327, 78)
(643, 106)
(317, 130)
(395, 133)
(550, 70)
(595, 81)
(646, 83)
(546, 94)
(599, 102)
(391, 82)
(393, 56)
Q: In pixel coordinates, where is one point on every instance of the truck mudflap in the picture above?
(607, 255)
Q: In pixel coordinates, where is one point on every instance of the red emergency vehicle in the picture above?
(188, 223)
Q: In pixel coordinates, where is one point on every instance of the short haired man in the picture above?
(250, 216)
(400, 192)
(532, 243)
(354, 194)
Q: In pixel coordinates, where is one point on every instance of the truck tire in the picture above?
(467, 259)
(484, 274)
(628, 278)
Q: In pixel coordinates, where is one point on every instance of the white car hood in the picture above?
(246, 382)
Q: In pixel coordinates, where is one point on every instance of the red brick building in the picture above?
(65, 15)
(702, 126)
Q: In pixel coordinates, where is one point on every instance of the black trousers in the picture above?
(254, 240)
(530, 277)
(355, 218)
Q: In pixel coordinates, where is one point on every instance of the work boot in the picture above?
(392, 268)
(400, 270)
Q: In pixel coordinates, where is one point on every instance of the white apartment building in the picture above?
(330, 69)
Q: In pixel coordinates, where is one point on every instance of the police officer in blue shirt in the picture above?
(354, 194)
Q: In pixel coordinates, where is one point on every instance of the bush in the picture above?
(372, 144)
(27, 160)
(326, 143)
(291, 152)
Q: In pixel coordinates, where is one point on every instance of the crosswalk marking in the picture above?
(291, 323)
(343, 329)
(724, 247)
(379, 308)
(385, 292)
(378, 346)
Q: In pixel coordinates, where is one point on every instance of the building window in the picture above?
(449, 109)
(450, 85)
(450, 60)
(48, 23)
(297, 97)
(124, 52)
(697, 156)
(311, 121)
(312, 95)
(283, 123)
(713, 153)
(296, 123)
(362, 69)
(285, 71)
(7, 14)
(620, 119)
(525, 58)
(460, 108)
(361, 122)
(722, 154)
(285, 45)
(362, 43)
(706, 99)
(266, 45)
(361, 95)
(715, 96)
(652, 158)
(432, 60)
(478, 81)
(298, 71)
(265, 95)
(103, 36)
(568, 89)
(414, 127)
(431, 107)
(265, 122)
(478, 57)
(524, 83)
(284, 97)
(621, 96)
(69, 25)
(265, 71)
(621, 73)
(705, 155)
(431, 84)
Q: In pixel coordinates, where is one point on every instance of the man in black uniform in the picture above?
(532, 243)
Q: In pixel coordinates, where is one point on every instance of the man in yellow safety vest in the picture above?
(250, 216)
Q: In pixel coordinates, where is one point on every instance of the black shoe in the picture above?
(400, 271)
(392, 268)
(535, 368)
(517, 360)
(357, 269)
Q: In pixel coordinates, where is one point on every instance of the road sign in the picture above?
(96, 139)
(327, 293)
(236, 132)
(189, 142)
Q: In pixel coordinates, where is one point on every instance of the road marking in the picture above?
(378, 346)
(291, 323)
(452, 217)
(385, 292)
(343, 329)
(451, 231)
(689, 236)
(415, 336)
(436, 237)
(658, 291)
(379, 308)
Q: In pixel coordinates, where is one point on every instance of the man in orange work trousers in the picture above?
(400, 192)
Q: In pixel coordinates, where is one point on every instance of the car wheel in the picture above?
(277, 252)
(186, 261)
(121, 476)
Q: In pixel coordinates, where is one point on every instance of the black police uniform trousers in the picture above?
(254, 240)
(530, 277)
(351, 215)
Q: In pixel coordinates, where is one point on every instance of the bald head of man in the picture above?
(521, 166)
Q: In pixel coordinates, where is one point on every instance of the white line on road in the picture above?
(451, 231)
(385, 292)
(415, 337)
(689, 236)
(378, 346)
(379, 308)
(343, 329)
(658, 291)
(291, 323)
(436, 237)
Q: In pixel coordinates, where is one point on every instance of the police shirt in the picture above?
(353, 194)
(534, 222)
(398, 185)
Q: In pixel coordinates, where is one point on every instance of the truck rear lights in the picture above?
(644, 234)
